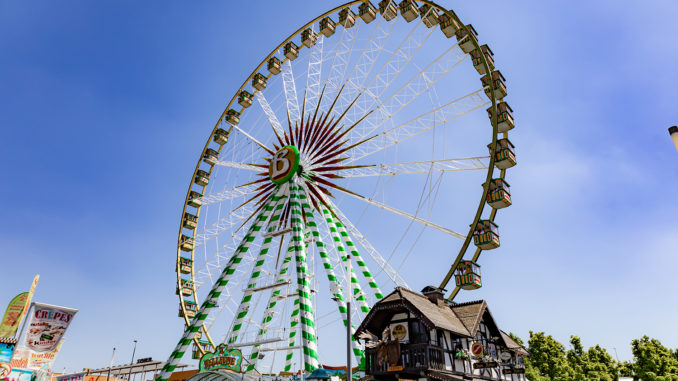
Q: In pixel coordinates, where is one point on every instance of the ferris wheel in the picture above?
(354, 155)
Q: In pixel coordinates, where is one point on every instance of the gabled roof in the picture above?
(462, 319)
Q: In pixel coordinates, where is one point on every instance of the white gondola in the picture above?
(195, 199)
(233, 117)
(467, 41)
(505, 121)
(245, 99)
(274, 65)
(291, 51)
(388, 9)
(221, 136)
(211, 156)
(476, 55)
(496, 84)
(408, 10)
(202, 178)
(259, 81)
(308, 37)
(367, 12)
(327, 26)
(429, 15)
(347, 17)
(448, 24)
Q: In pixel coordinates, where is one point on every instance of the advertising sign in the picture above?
(20, 375)
(493, 351)
(46, 327)
(16, 310)
(222, 358)
(6, 351)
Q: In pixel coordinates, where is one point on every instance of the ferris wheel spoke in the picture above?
(313, 73)
(290, 93)
(230, 194)
(236, 165)
(231, 219)
(365, 63)
(250, 137)
(395, 65)
(393, 275)
(403, 214)
(419, 124)
(447, 165)
(270, 115)
(423, 81)
(340, 61)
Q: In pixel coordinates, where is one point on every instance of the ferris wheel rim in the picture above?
(249, 78)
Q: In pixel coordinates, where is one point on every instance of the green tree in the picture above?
(653, 361)
(547, 360)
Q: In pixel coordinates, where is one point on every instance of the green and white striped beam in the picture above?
(211, 300)
(243, 308)
(335, 286)
(359, 296)
(306, 317)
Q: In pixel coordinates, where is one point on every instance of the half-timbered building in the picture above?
(413, 336)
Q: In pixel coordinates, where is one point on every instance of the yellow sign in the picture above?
(399, 332)
(394, 368)
(16, 310)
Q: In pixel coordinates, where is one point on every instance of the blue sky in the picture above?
(105, 106)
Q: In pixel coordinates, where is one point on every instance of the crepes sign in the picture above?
(47, 326)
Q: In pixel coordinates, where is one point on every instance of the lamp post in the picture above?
(349, 290)
(673, 131)
(110, 365)
(129, 376)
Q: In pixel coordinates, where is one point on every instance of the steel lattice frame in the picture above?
(296, 200)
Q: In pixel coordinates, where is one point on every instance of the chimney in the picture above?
(434, 294)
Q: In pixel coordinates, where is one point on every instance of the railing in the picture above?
(413, 358)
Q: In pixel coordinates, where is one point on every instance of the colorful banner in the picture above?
(6, 350)
(71, 377)
(16, 310)
(46, 327)
(27, 359)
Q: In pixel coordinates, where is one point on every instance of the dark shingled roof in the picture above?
(440, 315)
(470, 314)
(511, 344)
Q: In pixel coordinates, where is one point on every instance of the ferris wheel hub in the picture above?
(284, 164)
